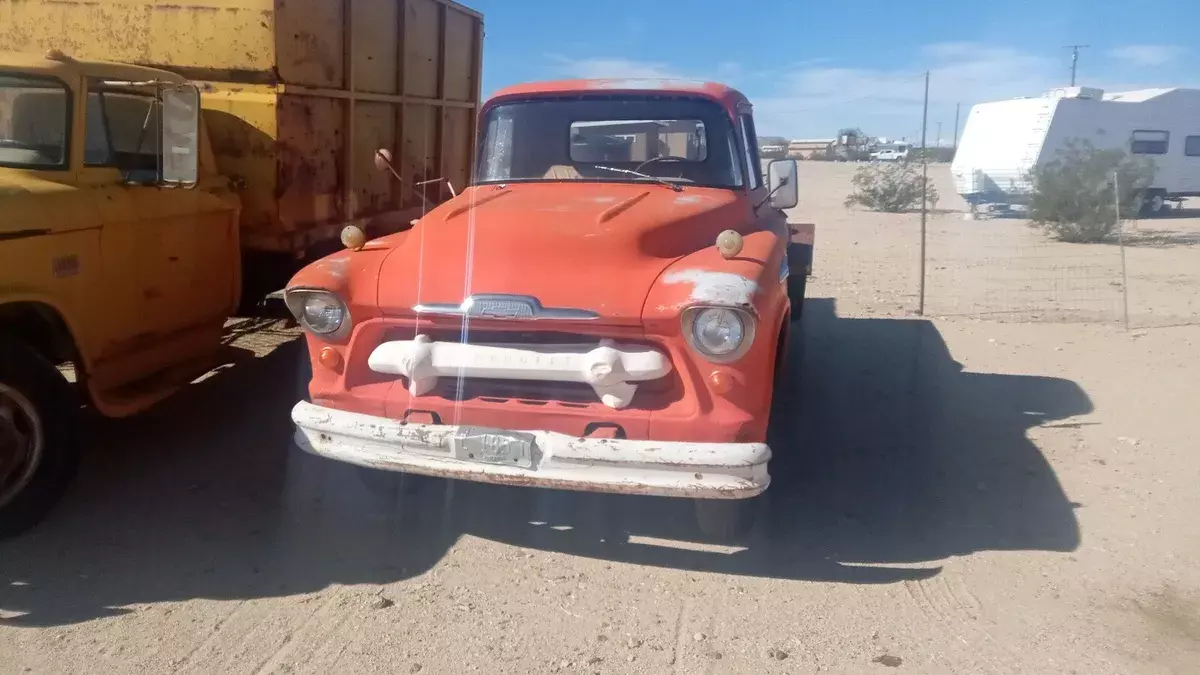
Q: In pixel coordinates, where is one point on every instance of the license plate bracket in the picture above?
(495, 446)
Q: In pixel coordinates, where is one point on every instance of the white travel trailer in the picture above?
(1005, 140)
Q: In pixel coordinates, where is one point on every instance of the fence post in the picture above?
(924, 193)
(1121, 242)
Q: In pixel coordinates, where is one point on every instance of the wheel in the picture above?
(726, 519)
(796, 286)
(1153, 203)
(38, 444)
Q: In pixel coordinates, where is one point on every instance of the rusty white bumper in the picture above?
(667, 469)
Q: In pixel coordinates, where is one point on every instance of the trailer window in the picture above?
(1191, 146)
(1149, 142)
(34, 118)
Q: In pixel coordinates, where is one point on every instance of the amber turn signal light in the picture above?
(331, 359)
(722, 383)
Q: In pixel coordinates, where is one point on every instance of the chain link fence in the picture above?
(996, 265)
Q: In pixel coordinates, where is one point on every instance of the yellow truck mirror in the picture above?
(180, 135)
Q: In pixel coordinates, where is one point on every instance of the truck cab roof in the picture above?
(66, 68)
(727, 96)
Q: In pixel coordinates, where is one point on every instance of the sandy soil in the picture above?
(999, 268)
(951, 495)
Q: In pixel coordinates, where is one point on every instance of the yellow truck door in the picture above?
(177, 245)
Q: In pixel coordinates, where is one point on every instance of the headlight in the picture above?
(719, 333)
(321, 312)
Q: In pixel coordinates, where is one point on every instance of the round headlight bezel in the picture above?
(692, 320)
(300, 301)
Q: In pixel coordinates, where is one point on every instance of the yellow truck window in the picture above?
(34, 116)
(123, 131)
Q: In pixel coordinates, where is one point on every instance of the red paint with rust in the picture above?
(630, 252)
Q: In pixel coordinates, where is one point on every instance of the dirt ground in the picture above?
(999, 268)
(951, 495)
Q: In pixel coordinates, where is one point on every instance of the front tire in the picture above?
(726, 519)
(796, 286)
(39, 451)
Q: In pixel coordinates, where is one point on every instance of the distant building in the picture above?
(772, 147)
(805, 148)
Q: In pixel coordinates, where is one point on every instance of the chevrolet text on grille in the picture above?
(502, 306)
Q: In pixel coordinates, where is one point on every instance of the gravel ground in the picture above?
(951, 495)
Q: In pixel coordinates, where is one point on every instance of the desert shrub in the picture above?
(1073, 195)
(893, 187)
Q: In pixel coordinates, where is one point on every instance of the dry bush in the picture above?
(1073, 195)
(893, 187)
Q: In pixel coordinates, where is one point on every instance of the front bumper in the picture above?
(667, 469)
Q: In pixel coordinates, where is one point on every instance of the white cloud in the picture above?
(816, 97)
(1147, 55)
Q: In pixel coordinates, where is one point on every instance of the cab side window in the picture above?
(750, 143)
(123, 131)
(35, 114)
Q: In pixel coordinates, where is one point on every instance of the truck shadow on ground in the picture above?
(889, 458)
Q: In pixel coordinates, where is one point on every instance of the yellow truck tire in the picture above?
(39, 449)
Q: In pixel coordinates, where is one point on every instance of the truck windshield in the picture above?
(33, 122)
(684, 141)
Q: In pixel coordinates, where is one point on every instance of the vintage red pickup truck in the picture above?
(605, 308)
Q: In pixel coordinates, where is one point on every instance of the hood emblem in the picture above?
(503, 306)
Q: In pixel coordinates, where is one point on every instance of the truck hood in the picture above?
(588, 246)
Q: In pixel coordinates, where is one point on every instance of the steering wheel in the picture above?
(661, 158)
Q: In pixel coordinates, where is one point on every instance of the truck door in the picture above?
(177, 246)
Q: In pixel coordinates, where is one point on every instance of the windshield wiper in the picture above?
(639, 174)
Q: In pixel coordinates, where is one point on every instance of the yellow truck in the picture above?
(162, 165)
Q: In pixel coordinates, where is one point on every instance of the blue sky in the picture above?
(813, 67)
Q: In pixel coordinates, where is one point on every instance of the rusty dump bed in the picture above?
(298, 94)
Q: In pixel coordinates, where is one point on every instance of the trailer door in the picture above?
(1189, 174)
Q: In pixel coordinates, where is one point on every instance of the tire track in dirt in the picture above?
(960, 613)
(276, 658)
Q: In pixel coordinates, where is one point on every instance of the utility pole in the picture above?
(957, 108)
(939, 135)
(924, 192)
(1075, 59)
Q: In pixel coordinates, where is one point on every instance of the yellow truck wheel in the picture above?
(38, 441)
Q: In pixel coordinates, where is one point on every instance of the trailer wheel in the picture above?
(38, 446)
(1153, 203)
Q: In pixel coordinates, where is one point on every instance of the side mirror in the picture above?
(783, 183)
(383, 162)
(180, 139)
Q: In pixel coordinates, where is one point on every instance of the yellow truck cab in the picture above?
(118, 256)
(114, 262)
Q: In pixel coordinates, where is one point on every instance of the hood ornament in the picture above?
(504, 306)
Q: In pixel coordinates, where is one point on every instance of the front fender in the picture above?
(751, 281)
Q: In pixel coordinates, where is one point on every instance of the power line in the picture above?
(1074, 58)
